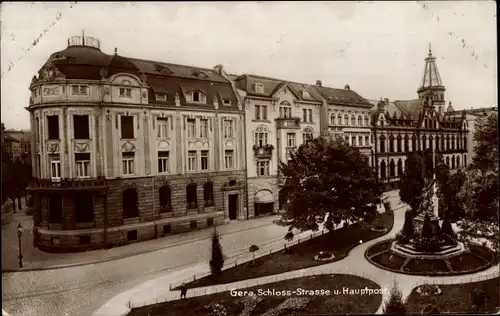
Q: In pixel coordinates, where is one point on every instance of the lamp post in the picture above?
(19, 234)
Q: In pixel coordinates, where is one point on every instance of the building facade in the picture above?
(282, 115)
(404, 126)
(128, 149)
(24, 139)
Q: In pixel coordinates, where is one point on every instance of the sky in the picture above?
(377, 48)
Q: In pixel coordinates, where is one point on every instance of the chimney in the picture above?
(346, 87)
(386, 100)
(319, 83)
(116, 50)
(218, 69)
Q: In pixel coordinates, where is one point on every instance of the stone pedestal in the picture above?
(418, 223)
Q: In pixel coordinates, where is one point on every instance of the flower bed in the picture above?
(324, 256)
(429, 290)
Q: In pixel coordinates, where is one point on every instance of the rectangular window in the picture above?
(38, 166)
(84, 208)
(125, 92)
(226, 102)
(196, 96)
(81, 127)
(82, 164)
(163, 162)
(304, 115)
(161, 96)
(203, 128)
(127, 127)
(285, 112)
(310, 113)
(128, 163)
(204, 160)
(229, 159)
(79, 90)
(228, 129)
(55, 209)
(290, 139)
(191, 127)
(260, 139)
(55, 166)
(162, 127)
(192, 160)
(264, 112)
(353, 141)
(360, 141)
(37, 129)
(53, 126)
(257, 112)
(262, 168)
(367, 141)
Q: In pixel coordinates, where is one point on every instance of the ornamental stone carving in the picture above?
(81, 146)
(104, 73)
(53, 147)
(128, 146)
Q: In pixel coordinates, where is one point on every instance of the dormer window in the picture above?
(259, 88)
(226, 102)
(196, 97)
(161, 96)
(79, 90)
(305, 94)
(125, 92)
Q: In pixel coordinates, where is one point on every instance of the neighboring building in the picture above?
(25, 139)
(400, 127)
(471, 115)
(12, 147)
(128, 149)
(282, 115)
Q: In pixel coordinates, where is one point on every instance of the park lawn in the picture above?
(427, 266)
(455, 298)
(340, 303)
(378, 248)
(339, 242)
(389, 260)
(466, 261)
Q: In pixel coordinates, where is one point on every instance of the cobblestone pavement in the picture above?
(81, 290)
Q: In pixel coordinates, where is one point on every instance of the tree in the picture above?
(395, 305)
(408, 229)
(446, 228)
(486, 138)
(478, 298)
(426, 228)
(253, 249)
(217, 260)
(451, 202)
(326, 176)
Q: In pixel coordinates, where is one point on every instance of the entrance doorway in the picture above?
(233, 206)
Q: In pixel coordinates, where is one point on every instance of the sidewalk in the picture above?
(35, 259)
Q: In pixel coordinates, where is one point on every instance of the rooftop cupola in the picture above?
(84, 41)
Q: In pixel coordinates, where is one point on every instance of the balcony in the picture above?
(92, 184)
(264, 151)
(288, 123)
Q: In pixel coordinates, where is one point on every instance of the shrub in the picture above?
(289, 236)
(426, 244)
(337, 220)
(408, 230)
(478, 298)
(430, 309)
(426, 228)
(217, 260)
(395, 304)
(401, 238)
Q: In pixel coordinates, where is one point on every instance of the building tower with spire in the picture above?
(432, 85)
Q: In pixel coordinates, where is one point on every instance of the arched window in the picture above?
(339, 119)
(458, 161)
(165, 199)
(191, 196)
(208, 194)
(391, 144)
(353, 120)
(130, 203)
(443, 144)
(465, 160)
(346, 119)
(307, 135)
(261, 136)
(453, 142)
(465, 144)
(400, 143)
(407, 143)
(448, 161)
(400, 167)
(414, 143)
(431, 139)
(382, 143)
(285, 110)
(332, 119)
(437, 142)
(424, 143)
(392, 169)
(360, 121)
(448, 142)
(452, 162)
(367, 121)
(383, 170)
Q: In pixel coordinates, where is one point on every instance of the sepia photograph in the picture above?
(248, 158)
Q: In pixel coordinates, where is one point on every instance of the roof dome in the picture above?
(81, 50)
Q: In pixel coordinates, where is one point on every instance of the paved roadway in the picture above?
(75, 291)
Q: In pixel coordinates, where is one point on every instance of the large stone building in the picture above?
(404, 126)
(23, 140)
(128, 149)
(280, 116)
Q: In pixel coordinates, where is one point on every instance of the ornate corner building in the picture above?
(404, 126)
(126, 149)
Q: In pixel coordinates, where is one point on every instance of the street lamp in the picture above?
(19, 234)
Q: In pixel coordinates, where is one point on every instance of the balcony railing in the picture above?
(263, 151)
(69, 184)
(288, 122)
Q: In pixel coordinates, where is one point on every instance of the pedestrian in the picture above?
(183, 291)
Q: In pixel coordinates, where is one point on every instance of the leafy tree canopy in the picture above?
(486, 138)
(327, 176)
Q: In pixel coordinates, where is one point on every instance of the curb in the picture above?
(72, 265)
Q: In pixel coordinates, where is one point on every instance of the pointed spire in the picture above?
(430, 50)
(431, 76)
